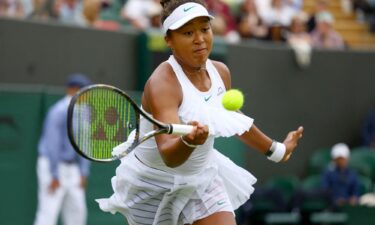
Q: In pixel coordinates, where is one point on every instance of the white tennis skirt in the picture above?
(149, 196)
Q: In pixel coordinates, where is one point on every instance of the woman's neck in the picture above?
(191, 70)
(198, 76)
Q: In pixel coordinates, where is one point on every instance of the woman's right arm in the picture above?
(162, 98)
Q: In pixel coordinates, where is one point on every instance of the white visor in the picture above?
(183, 14)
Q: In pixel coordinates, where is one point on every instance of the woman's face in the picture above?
(192, 43)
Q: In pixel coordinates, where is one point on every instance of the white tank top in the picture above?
(204, 107)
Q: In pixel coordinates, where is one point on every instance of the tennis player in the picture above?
(183, 180)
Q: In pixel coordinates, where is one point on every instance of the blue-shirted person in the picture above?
(339, 180)
(61, 172)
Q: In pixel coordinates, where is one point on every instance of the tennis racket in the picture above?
(102, 117)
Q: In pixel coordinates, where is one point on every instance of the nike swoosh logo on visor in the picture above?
(187, 9)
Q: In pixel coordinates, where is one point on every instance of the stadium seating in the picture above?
(365, 185)
(319, 160)
(311, 184)
(365, 155)
(314, 200)
(286, 184)
(360, 166)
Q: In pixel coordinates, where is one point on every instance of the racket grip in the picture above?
(181, 129)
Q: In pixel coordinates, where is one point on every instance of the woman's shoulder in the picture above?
(163, 78)
(163, 72)
(221, 67)
(219, 64)
(162, 86)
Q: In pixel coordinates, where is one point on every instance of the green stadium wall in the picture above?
(44, 53)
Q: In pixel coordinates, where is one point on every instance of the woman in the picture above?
(324, 36)
(299, 39)
(184, 180)
(250, 24)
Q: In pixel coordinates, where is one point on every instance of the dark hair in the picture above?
(170, 5)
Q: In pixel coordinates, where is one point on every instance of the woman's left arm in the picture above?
(256, 139)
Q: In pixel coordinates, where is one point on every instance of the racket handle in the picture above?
(181, 129)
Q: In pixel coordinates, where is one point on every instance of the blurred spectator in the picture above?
(368, 129)
(320, 6)
(299, 39)
(365, 10)
(11, 8)
(70, 11)
(279, 13)
(339, 185)
(263, 7)
(42, 10)
(154, 16)
(224, 23)
(27, 6)
(250, 24)
(339, 180)
(278, 19)
(91, 11)
(324, 35)
(365, 6)
(141, 13)
(91, 14)
(346, 6)
(297, 30)
(62, 173)
(295, 4)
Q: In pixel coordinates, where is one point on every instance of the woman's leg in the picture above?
(219, 218)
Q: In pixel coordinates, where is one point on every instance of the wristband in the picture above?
(187, 144)
(276, 152)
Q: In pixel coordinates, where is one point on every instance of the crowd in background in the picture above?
(269, 20)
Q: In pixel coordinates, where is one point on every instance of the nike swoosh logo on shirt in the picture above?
(187, 9)
(220, 202)
(208, 98)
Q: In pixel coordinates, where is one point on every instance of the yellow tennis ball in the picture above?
(232, 100)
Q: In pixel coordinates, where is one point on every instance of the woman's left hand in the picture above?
(291, 142)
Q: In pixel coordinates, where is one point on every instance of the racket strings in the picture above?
(102, 119)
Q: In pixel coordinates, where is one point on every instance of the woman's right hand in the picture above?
(198, 135)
